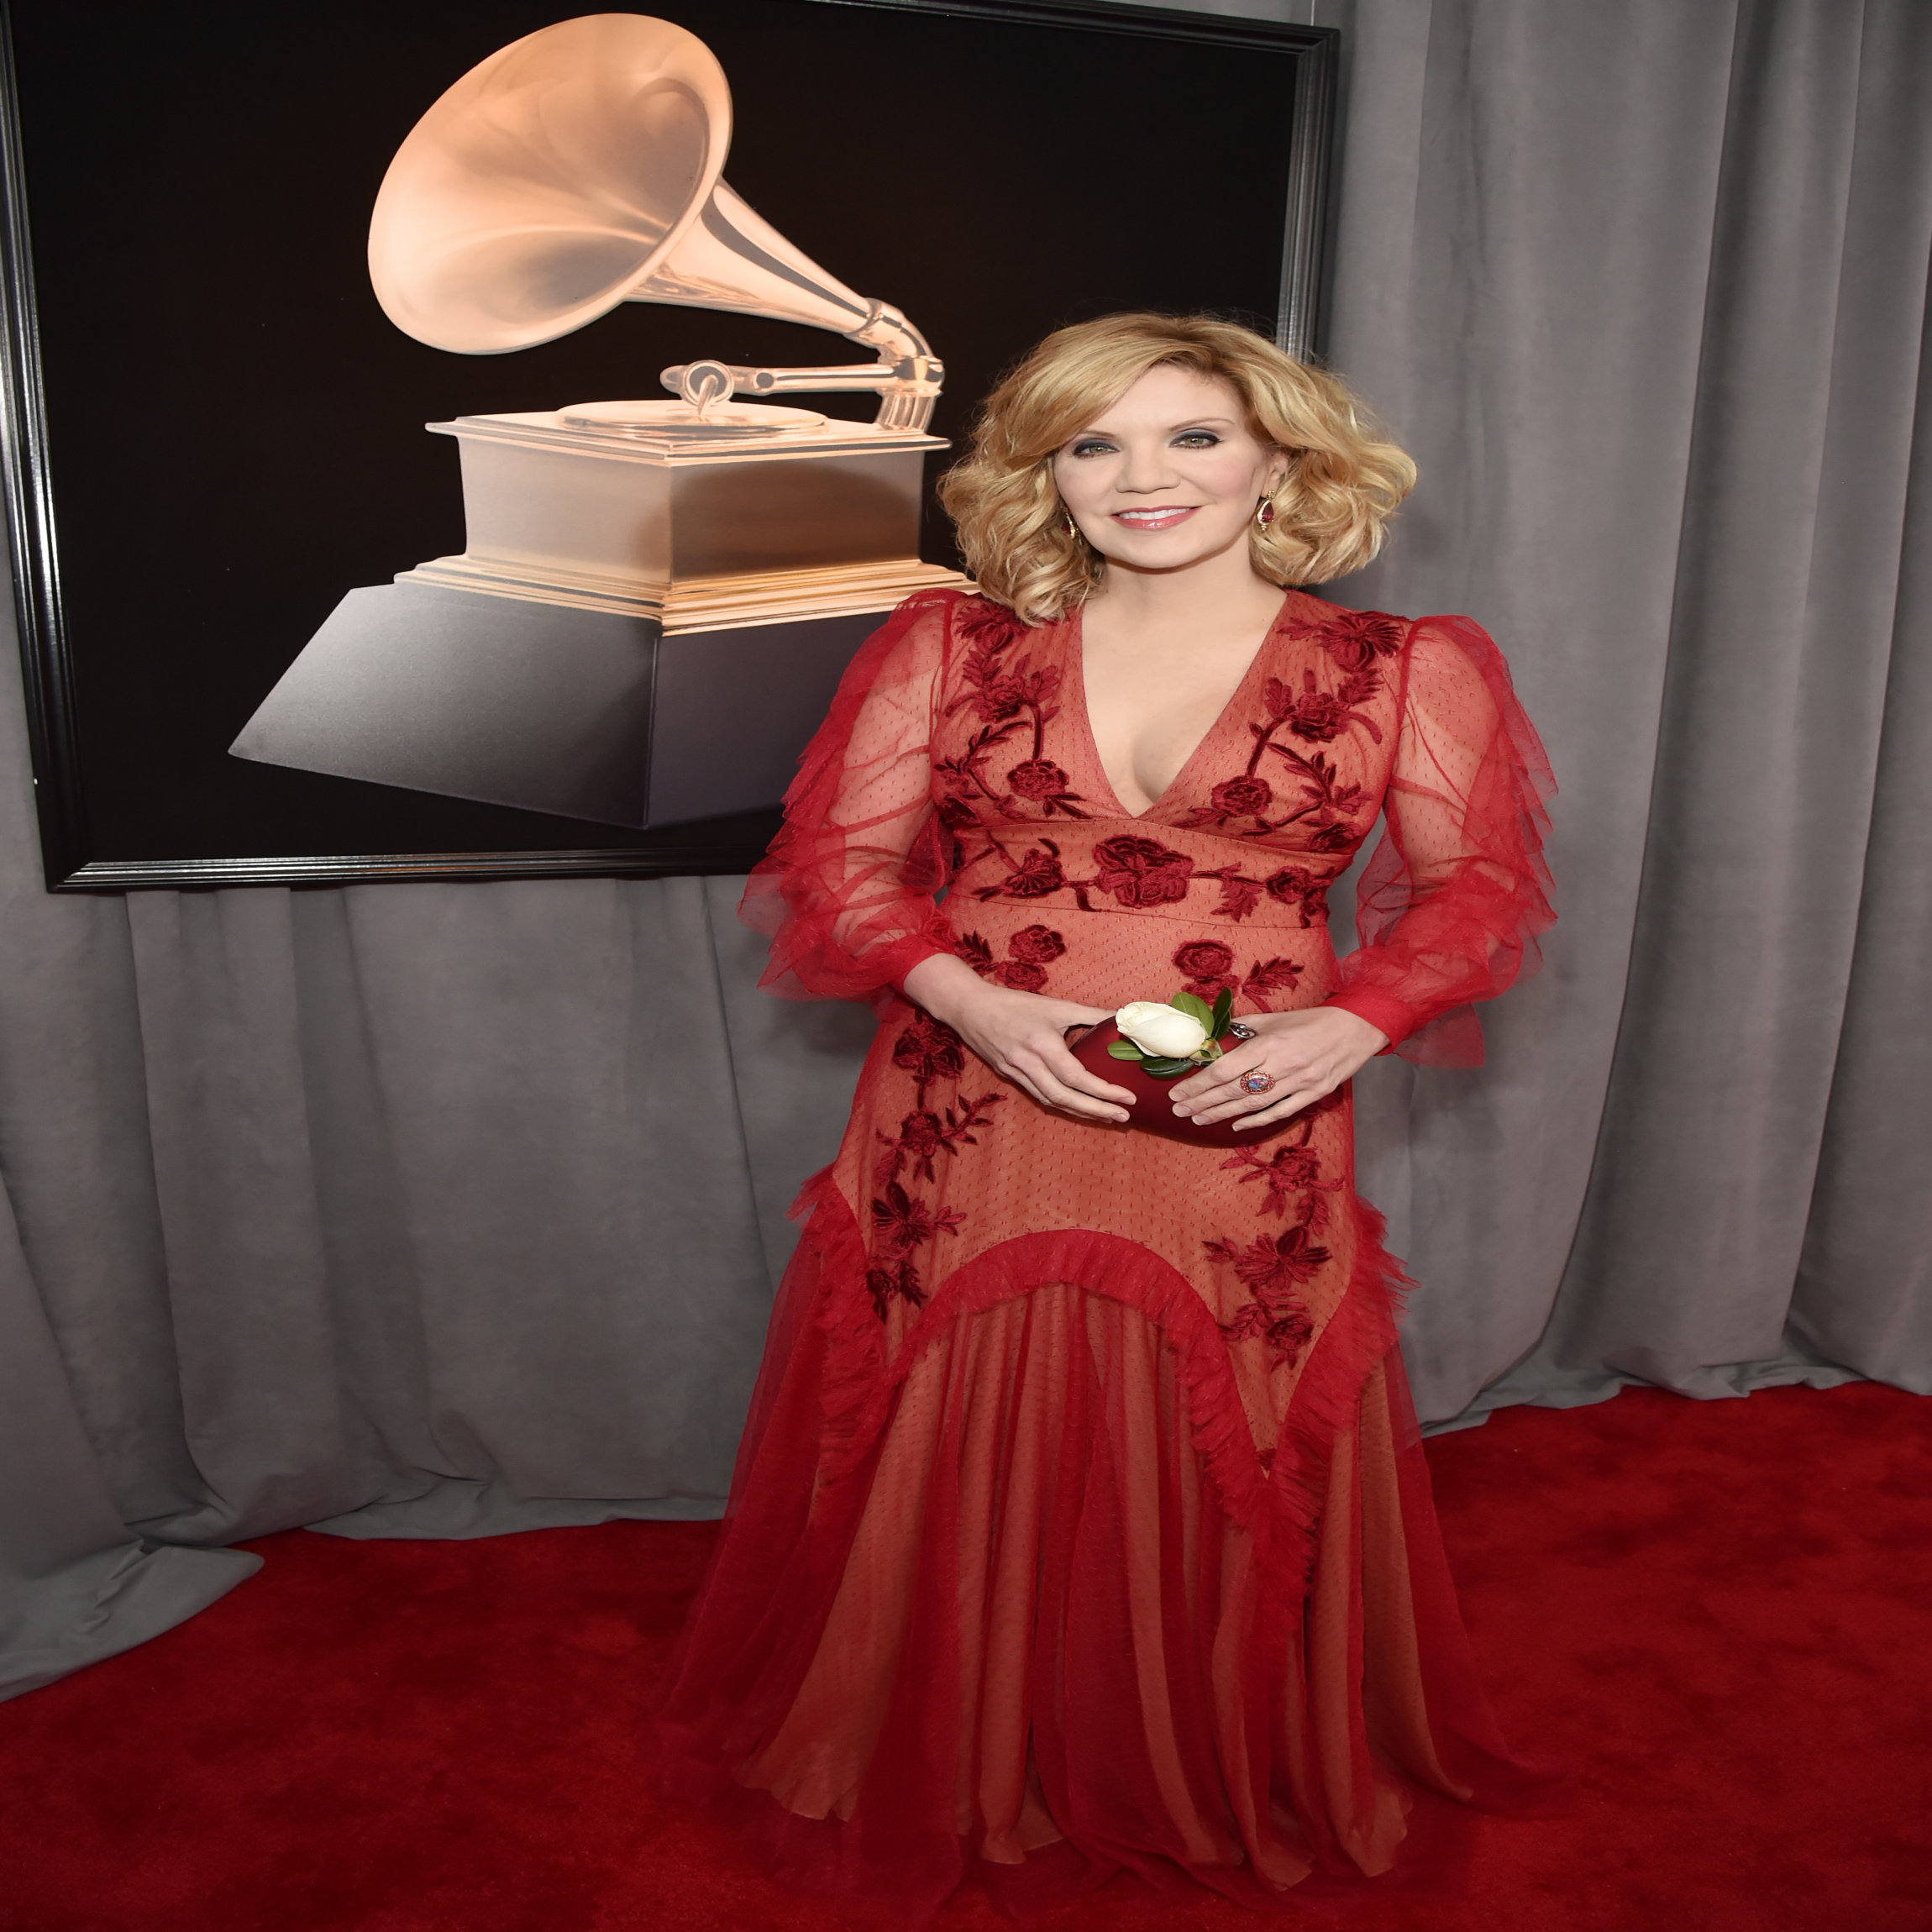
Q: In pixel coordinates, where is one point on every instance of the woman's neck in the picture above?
(1225, 590)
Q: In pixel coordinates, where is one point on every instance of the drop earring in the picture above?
(1264, 513)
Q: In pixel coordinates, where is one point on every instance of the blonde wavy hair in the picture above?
(1344, 479)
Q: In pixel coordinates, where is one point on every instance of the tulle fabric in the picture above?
(1450, 904)
(1030, 1639)
(847, 890)
(1080, 1522)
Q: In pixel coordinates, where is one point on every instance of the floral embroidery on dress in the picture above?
(923, 1133)
(1315, 716)
(1010, 701)
(1033, 876)
(1355, 639)
(901, 1224)
(1210, 970)
(1138, 872)
(1135, 871)
(1292, 885)
(929, 1050)
(1319, 717)
(1291, 1178)
(1272, 1267)
(1029, 953)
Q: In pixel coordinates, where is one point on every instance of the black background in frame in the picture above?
(233, 430)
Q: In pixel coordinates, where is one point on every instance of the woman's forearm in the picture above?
(944, 985)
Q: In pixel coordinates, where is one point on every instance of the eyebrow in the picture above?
(1173, 429)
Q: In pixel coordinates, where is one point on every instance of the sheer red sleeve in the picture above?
(846, 890)
(1449, 907)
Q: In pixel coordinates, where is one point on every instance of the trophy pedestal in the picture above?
(588, 714)
(640, 632)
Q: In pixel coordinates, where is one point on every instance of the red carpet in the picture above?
(1720, 1612)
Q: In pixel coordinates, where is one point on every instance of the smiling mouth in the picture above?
(1161, 519)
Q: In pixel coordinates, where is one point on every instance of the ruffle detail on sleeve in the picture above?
(1451, 904)
(847, 891)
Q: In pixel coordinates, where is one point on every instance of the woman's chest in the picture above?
(1296, 757)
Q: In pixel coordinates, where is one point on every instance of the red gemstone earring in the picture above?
(1264, 513)
(1068, 525)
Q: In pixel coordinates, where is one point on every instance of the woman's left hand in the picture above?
(1305, 1054)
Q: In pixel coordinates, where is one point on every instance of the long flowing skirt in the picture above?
(1081, 1522)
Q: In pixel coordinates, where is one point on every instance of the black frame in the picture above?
(718, 845)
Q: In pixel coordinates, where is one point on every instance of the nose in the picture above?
(1148, 468)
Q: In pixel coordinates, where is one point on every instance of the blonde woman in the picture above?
(1081, 1521)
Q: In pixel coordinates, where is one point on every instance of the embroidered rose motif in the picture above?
(1205, 959)
(1243, 797)
(1030, 951)
(1037, 777)
(1139, 872)
(1038, 945)
(1294, 886)
(924, 1134)
(1317, 715)
(1000, 698)
(1287, 1174)
(930, 1050)
(1012, 701)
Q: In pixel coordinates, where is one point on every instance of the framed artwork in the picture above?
(214, 432)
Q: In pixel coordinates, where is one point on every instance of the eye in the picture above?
(1197, 439)
(1090, 446)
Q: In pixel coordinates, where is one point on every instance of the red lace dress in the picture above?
(1080, 1521)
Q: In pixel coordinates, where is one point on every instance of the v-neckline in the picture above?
(1188, 764)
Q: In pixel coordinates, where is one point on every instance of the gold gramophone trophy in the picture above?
(644, 585)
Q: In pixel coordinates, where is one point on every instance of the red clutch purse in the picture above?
(1154, 1099)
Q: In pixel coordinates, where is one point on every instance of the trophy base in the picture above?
(642, 631)
(699, 603)
(584, 712)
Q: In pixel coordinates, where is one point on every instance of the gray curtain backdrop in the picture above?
(450, 1210)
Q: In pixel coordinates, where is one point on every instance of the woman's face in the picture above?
(1169, 474)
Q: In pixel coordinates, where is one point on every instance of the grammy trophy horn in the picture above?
(582, 166)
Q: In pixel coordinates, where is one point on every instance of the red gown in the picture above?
(1080, 1521)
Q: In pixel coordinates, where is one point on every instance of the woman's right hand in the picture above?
(1020, 1036)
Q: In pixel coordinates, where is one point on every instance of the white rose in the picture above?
(1162, 1029)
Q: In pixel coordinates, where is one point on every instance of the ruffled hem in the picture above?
(1026, 1605)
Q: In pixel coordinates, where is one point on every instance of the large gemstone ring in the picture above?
(1257, 1082)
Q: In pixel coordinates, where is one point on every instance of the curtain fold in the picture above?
(1647, 303)
(449, 1210)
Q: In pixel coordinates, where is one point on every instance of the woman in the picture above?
(1081, 1521)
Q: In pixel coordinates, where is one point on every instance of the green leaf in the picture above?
(1193, 1006)
(1223, 1011)
(1122, 1050)
(1166, 1069)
